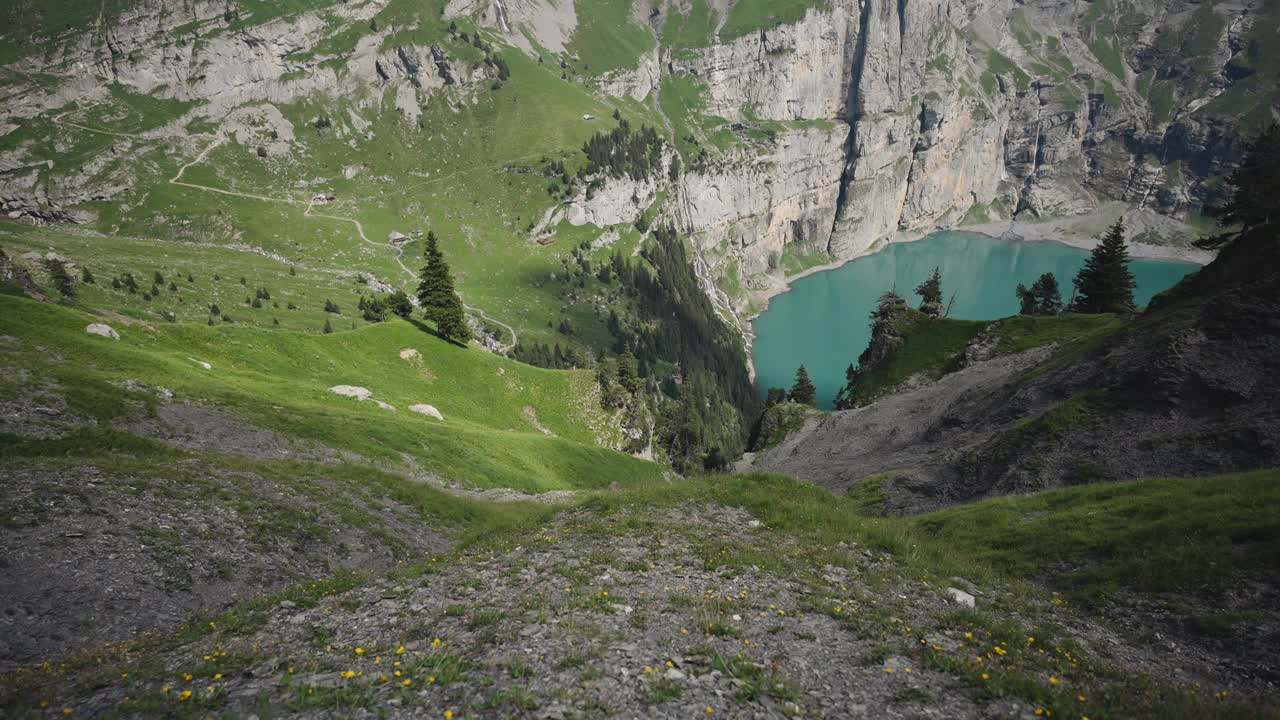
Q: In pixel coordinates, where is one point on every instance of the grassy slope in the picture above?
(453, 178)
(107, 256)
(1151, 535)
(280, 379)
(607, 38)
(929, 346)
(934, 347)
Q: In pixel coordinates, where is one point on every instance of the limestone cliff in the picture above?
(804, 142)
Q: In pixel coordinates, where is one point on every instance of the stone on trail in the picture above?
(427, 410)
(105, 331)
(960, 597)
(352, 391)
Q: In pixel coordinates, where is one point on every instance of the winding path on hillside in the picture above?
(218, 140)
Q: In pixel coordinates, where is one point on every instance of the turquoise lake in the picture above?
(823, 321)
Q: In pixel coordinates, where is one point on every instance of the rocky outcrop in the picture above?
(767, 197)
(790, 72)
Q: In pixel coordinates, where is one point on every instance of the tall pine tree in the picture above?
(440, 302)
(628, 375)
(804, 392)
(1105, 284)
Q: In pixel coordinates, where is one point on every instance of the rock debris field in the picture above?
(647, 613)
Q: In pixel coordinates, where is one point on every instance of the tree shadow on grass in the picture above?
(430, 330)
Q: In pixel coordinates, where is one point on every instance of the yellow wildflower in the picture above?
(986, 676)
(400, 650)
(185, 695)
(359, 651)
(448, 714)
(408, 682)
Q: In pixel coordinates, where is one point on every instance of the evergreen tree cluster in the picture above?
(930, 291)
(62, 279)
(884, 337)
(623, 152)
(704, 408)
(546, 356)
(1043, 297)
(373, 309)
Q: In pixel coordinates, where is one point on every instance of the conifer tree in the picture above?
(1105, 284)
(1043, 298)
(86, 277)
(440, 302)
(776, 396)
(400, 305)
(328, 328)
(930, 291)
(1253, 191)
(804, 392)
(62, 279)
(628, 375)
(844, 396)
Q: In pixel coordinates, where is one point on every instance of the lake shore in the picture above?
(970, 247)
(1081, 231)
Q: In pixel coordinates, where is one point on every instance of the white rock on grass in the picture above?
(352, 391)
(408, 354)
(201, 363)
(105, 331)
(960, 597)
(427, 410)
(385, 406)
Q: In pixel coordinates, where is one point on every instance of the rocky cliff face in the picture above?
(989, 110)
(853, 124)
